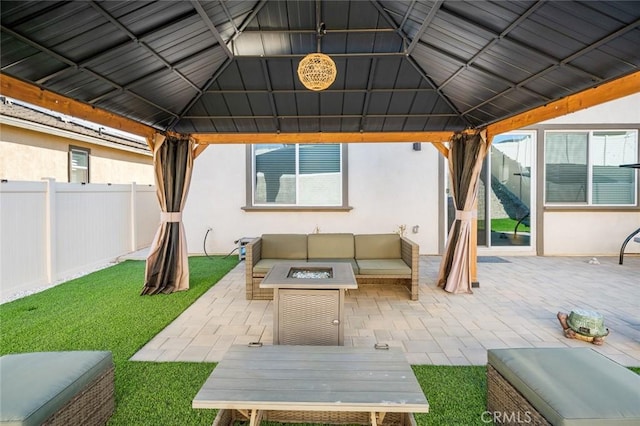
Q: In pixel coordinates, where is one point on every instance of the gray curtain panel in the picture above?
(466, 154)
(167, 268)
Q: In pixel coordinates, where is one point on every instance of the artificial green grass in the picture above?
(504, 225)
(456, 395)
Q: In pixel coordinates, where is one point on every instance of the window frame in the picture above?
(589, 204)
(71, 168)
(249, 182)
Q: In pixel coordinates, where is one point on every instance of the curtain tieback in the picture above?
(170, 217)
(465, 215)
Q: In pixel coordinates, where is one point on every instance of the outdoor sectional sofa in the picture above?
(375, 258)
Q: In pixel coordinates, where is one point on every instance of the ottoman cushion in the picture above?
(571, 386)
(33, 386)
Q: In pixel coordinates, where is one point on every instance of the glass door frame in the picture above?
(488, 248)
(532, 155)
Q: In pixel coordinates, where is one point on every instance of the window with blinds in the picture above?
(78, 165)
(297, 175)
(583, 167)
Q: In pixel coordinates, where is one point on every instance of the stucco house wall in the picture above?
(390, 185)
(30, 151)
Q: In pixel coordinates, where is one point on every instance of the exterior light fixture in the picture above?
(317, 71)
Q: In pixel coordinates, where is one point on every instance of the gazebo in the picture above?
(186, 74)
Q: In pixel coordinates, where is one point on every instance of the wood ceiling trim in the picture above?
(321, 137)
(606, 92)
(17, 89)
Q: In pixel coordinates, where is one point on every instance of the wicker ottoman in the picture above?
(56, 388)
(560, 386)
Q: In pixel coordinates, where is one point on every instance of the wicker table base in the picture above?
(227, 417)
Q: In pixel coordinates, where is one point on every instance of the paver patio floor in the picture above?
(515, 306)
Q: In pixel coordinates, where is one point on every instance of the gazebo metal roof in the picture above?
(403, 66)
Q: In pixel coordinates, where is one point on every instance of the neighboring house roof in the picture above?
(23, 115)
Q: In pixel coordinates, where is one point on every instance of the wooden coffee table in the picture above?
(313, 384)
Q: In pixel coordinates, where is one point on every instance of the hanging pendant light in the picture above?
(317, 71)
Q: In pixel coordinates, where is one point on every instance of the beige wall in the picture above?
(389, 185)
(589, 233)
(29, 155)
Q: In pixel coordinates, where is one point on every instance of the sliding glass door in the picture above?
(505, 194)
(507, 218)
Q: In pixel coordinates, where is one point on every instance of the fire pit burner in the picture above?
(310, 273)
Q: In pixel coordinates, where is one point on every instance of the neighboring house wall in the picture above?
(31, 151)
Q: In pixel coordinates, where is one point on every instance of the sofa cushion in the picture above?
(377, 246)
(35, 385)
(330, 246)
(571, 386)
(284, 246)
(353, 263)
(264, 265)
(383, 267)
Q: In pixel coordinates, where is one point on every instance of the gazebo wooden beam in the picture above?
(17, 89)
(321, 137)
(606, 92)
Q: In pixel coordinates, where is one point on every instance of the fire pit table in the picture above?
(308, 302)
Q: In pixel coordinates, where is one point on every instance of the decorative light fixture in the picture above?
(317, 71)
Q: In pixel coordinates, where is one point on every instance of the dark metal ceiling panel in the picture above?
(331, 103)
(494, 15)
(220, 66)
(354, 103)
(126, 64)
(608, 62)
(128, 105)
(260, 104)
(82, 85)
(140, 17)
(165, 90)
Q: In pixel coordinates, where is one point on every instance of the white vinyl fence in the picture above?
(50, 231)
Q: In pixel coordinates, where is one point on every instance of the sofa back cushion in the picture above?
(378, 246)
(284, 246)
(331, 246)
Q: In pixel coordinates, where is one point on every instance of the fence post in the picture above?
(133, 213)
(50, 229)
